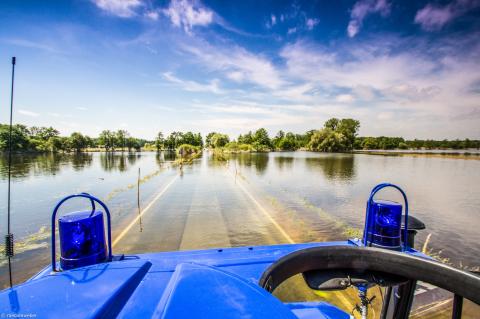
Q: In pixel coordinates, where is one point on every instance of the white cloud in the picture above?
(188, 14)
(28, 113)
(81, 108)
(425, 81)
(311, 23)
(292, 30)
(237, 63)
(345, 98)
(119, 8)
(236, 76)
(433, 17)
(361, 10)
(152, 15)
(193, 86)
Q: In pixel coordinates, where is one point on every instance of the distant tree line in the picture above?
(176, 139)
(336, 135)
(391, 143)
(48, 139)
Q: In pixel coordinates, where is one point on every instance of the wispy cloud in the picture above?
(434, 17)
(119, 8)
(345, 98)
(238, 63)
(361, 10)
(31, 44)
(311, 23)
(192, 86)
(28, 113)
(271, 22)
(188, 14)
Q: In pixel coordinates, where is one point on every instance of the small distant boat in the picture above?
(90, 281)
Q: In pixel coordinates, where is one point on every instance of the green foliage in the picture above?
(246, 139)
(219, 140)
(286, 142)
(348, 128)
(175, 139)
(390, 143)
(327, 140)
(336, 136)
(20, 139)
(159, 141)
(107, 139)
(187, 150)
(78, 142)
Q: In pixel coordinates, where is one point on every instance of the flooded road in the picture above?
(246, 199)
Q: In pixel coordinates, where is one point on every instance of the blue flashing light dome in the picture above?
(82, 239)
(384, 225)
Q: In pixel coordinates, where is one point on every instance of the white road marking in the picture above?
(134, 221)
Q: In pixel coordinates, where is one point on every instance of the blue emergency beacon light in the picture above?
(383, 221)
(82, 236)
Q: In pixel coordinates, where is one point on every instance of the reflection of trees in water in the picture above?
(257, 160)
(81, 160)
(133, 157)
(334, 166)
(169, 155)
(24, 165)
(118, 161)
(284, 162)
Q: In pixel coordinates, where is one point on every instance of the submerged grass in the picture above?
(33, 241)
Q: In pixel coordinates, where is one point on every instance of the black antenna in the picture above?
(9, 236)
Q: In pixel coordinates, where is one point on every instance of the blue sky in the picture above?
(403, 68)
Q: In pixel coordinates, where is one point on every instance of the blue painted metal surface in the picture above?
(154, 285)
(316, 310)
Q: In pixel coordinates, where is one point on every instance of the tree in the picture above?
(332, 124)
(107, 139)
(288, 142)
(77, 141)
(246, 139)
(159, 141)
(327, 140)
(348, 128)
(198, 140)
(121, 138)
(20, 140)
(208, 139)
(43, 133)
(261, 138)
(219, 140)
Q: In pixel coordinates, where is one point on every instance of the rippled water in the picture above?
(247, 199)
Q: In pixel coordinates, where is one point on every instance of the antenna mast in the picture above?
(9, 236)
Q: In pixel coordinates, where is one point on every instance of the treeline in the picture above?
(176, 139)
(48, 139)
(336, 135)
(391, 143)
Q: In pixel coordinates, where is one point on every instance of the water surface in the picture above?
(249, 199)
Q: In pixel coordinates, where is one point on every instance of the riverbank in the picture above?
(470, 154)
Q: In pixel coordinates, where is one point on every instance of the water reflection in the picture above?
(284, 162)
(257, 160)
(118, 161)
(25, 165)
(334, 167)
